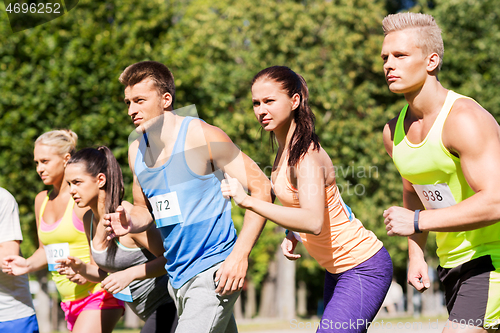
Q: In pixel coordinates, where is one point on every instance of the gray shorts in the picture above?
(200, 309)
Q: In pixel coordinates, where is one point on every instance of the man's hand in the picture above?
(116, 282)
(117, 224)
(15, 265)
(288, 247)
(399, 221)
(418, 275)
(231, 275)
(231, 187)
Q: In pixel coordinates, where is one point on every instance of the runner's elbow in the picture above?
(316, 225)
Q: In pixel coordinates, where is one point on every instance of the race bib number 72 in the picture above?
(435, 196)
(166, 209)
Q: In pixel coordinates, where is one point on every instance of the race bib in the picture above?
(54, 252)
(124, 295)
(435, 196)
(166, 209)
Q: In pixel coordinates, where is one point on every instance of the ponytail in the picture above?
(304, 134)
(114, 180)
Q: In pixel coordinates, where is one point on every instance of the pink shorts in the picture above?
(97, 301)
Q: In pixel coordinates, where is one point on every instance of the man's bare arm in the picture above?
(230, 160)
(417, 271)
(473, 134)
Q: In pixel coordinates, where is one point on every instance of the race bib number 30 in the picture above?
(166, 209)
(54, 252)
(435, 196)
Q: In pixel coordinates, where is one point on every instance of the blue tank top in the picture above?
(192, 215)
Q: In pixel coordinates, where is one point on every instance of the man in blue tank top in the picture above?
(178, 163)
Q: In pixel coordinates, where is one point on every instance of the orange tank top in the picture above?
(343, 242)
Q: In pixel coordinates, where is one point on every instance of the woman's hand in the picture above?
(77, 278)
(69, 266)
(116, 282)
(288, 247)
(232, 188)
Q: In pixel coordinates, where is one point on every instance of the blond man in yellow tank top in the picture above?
(447, 149)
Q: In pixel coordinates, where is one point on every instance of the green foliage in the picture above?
(471, 33)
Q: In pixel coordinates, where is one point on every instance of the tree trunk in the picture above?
(285, 296)
(251, 300)
(409, 300)
(43, 303)
(267, 306)
(237, 309)
(302, 299)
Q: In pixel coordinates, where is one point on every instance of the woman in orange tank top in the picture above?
(87, 307)
(358, 267)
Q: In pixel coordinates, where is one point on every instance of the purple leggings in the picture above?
(353, 298)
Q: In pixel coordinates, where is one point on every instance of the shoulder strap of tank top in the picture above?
(44, 204)
(445, 111)
(181, 137)
(91, 227)
(69, 207)
(91, 232)
(399, 132)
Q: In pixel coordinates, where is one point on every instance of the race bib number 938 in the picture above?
(435, 196)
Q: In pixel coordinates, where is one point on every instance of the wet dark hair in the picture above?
(101, 160)
(304, 134)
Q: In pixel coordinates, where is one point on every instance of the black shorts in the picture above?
(467, 292)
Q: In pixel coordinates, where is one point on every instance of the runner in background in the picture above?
(132, 266)
(16, 307)
(87, 307)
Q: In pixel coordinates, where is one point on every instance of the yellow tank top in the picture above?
(343, 242)
(69, 229)
(430, 163)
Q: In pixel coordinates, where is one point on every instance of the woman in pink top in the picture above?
(358, 267)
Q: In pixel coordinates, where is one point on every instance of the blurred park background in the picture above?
(64, 74)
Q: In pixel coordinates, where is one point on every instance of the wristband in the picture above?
(415, 222)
